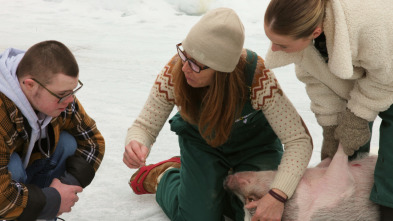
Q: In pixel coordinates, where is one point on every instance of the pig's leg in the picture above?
(338, 180)
(327, 191)
(338, 170)
(324, 163)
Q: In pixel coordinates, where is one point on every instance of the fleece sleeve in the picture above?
(325, 103)
(363, 43)
(266, 94)
(373, 93)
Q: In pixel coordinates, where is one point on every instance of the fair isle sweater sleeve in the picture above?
(267, 96)
(156, 110)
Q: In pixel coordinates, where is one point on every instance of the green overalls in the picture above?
(195, 192)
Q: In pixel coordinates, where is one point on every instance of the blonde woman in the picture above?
(343, 52)
(232, 117)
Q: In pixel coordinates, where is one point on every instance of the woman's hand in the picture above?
(268, 208)
(135, 154)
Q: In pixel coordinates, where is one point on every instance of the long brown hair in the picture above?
(295, 18)
(214, 108)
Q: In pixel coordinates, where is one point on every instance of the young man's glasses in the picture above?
(192, 63)
(61, 99)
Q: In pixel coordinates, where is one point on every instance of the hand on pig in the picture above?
(267, 208)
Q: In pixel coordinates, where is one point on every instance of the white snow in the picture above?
(120, 46)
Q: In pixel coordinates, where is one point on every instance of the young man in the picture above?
(50, 149)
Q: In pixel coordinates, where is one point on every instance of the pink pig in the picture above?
(334, 190)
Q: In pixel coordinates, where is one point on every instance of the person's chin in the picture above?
(194, 84)
(191, 83)
(57, 112)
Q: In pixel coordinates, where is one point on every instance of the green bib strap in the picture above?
(249, 70)
(252, 60)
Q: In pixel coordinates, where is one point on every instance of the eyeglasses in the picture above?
(192, 63)
(61, 99)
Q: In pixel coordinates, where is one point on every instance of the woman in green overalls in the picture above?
(233, 116)
(343, 52)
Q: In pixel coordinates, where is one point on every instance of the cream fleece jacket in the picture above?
(266, 95)
(359, 74)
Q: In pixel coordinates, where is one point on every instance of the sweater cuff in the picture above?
(362, 112)
(134, 134)
(69, 179)
(52, 206)
(80, 169)
(327, 120)
(35, 203)
(286, 182)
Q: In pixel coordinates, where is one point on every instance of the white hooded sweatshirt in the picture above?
(9, 85)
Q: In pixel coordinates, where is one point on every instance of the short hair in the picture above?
(46, 59)
(294, 18)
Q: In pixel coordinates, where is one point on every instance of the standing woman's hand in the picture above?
(352, 131)
(135, 154)
(267, 208)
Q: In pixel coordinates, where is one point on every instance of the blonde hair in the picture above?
(213, 109)
(294, 18)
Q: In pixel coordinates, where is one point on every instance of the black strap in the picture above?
(320, 45)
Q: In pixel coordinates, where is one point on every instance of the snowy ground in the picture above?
(120, 46)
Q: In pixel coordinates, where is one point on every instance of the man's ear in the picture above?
(29, 84)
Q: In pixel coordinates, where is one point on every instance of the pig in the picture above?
(333, 190)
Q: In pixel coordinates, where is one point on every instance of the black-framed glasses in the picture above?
(61, 99)
(192, 63)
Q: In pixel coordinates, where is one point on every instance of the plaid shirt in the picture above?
(15, 138)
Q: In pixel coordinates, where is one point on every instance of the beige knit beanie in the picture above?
(216, 40)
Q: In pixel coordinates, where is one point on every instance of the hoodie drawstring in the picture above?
(47, 155)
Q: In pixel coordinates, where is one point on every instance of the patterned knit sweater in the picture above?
(266, 95)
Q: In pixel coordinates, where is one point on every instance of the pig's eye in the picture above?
(251, 198)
